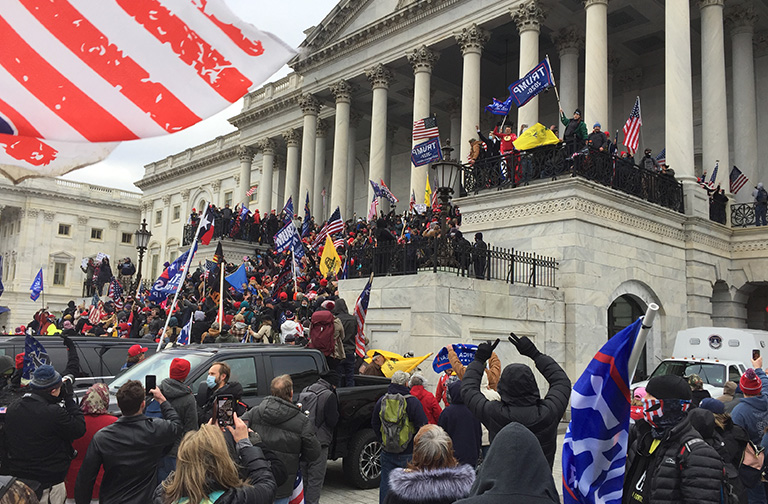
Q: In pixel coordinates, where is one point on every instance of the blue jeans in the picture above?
(165, 467)
(346, 371)
(756, 495)
(283, 500)
(390, 461)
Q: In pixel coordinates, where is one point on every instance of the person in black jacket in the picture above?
(39, 434)
(129, 450)
(346, 368)
(697, 390)
(462, 426)
(217, 383)
(520, 399)
(668, 461)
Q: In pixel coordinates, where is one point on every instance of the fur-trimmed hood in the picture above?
(435, 486)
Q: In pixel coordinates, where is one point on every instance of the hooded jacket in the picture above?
(349, 323)
(462, 426)
(520, 400)
(428, 402)
(430, 486)
(729, 442)
(514, 472)
(205, 397)
(751, 411)
(286, 431)
(180, 396)
(413, 409)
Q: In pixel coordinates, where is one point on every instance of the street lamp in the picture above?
(446, 173)
(142, 240)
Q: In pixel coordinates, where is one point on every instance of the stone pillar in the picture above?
(380, 78)
(354, 122)
(422, 60)
(471, 41)
(569, 42)
(613, 65)
(528, 17)
(453, 107)
(310, 106)
(596, 63)
(267, 148)
(342, 91)
(246, 163)
(714, 109)
(278, 183)
(742, 23)
(292, 139)
(317, 192)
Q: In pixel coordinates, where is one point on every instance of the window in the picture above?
(59, 273)
(64, 230)
(228, 198)
(302, 368)
(127, 238)
(174, 255)
(243, 372)
(96, 233)
(177, 212)
(158, 217)
(155, 262)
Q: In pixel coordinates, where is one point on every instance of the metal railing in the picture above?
(745, 214)
(235, 230)
(551, 161)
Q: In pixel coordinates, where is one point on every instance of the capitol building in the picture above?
(372, 67)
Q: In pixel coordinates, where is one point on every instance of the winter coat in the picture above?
(678, 473)
(349, 323)
(729, 442)
(39, 435)
(285, 430)
(261, 488)
(751, 412)
(698, 395)
(338, 340)
(514, 472)
(412, 408)
(520, 400)
(129, 451)
(462, 426)
(597, 139)
(579, 129)
(493, 370)
(433, 486)
(428, 402)
(205, 397)
(327, 412)
(180, 396)
(93, 424)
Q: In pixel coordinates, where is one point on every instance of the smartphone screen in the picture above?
(755, 354)
(223, 410)
(150, 382)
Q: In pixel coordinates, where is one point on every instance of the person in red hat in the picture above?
(136, 354)
(180, 396)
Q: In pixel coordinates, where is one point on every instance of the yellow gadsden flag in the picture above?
(535, 136)
(330, 260)
(396, 362)
(428, 193)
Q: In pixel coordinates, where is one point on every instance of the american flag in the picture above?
(426, 128)
(361, 309)
(339, 242)
(713, 178)
(333, 225)
(738, 180)
(83, 76)
(97, 309)
(412, 202)
(632, 128)
(297, 495)
(662, 157)
(116, 293)
(387, 193)
(373, 209)
(250, 191)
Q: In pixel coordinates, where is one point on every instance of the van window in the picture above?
(713, 374)
(733, 374)
(302, 368)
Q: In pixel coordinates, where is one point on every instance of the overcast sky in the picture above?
(126, 163)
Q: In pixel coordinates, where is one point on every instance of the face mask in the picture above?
(655, 409)
(210, 381)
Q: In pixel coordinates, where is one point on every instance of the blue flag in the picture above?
(426, 152)
(376, 189)
(534, 82)
(238, 278)
(34, 357)
(243, 213)
(595, 448)
(37, 286)
(186, 331)
(500, 107)
(171, 277)
(2, 289)
(305, 225)
(288, 210)
(465, 353)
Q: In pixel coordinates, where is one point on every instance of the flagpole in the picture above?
(293, 267)
(640, 111)
(554, 83)
(642, 336)
(221, 292)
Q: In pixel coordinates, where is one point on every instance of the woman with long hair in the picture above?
(433, 475)
(205, 471)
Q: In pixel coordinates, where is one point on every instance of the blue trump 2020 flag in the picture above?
(534, 82)
(500, 107)
(186, 331)
(37, 286)
(171, 277)
(34, 357)
(595, 448)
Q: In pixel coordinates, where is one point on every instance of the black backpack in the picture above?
(762, 195)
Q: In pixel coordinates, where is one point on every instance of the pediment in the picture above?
(346, 18)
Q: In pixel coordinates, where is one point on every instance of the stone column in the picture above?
(354, 122)
(569, 42)
(471, 41)
(613, 65)
(714, 109)
(528, 17)
(310, 106)
(246, 163)
(422, 60)
(317, 192)
(278, 183)
(342, 91)
(596, 62)
(292, 139)
(379, 77)
(391, 132)
(267, 148)
(742, 23)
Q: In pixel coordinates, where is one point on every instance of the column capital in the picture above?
(710, 3)
(354, 118)
(185, 194)
(471, 39)
(569, 40)
(322, 128)
(342, 91)
(528, 16)
(309, 104)
(245, 154)
(216, 185)
(422, 59)
(741, 19)
(379, 76)
(629, 79)
(267, 146)
(236, 178)
(166, 199)
(292, 137)
(590, 3)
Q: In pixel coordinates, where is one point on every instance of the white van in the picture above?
(716, 354)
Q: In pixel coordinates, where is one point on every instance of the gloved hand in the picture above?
(67, 341)
(524, 345)
(484, 350)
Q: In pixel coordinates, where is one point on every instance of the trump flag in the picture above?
(77, 76)
(595, 448)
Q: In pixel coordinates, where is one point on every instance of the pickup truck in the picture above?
(254, 366)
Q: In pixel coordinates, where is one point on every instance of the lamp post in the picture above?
(142, 240)
(446, 172)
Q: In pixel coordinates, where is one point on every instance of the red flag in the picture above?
(206, 226)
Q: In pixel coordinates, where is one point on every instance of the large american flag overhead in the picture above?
(78, 76)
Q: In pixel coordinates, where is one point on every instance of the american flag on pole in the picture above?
(78, 77)
(595, 448)
(373, 210)
(250, 191)
(738, 180)
(713, 178)
(662, 157)
(339, 242)
(387, 193)
(333, 225)
(426, 128)
(97, 309)
(361, 309)
(632, 128)
(297, 496)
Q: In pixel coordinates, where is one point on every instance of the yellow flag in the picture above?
(330, 260)
(396, 362)
(428, 194)
(535, 136)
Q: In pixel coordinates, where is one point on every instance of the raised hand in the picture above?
(524, 345)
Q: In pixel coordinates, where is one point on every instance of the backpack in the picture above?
(762, 195)
(321, 332)
(397, 429)
(309, 399)
(728, 494)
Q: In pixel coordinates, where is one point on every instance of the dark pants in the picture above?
(346, 370)
(760, 210)
(166, 465)
(390, 461)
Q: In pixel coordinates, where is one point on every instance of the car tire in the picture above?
(362, 466)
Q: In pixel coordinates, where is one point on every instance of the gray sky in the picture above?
(126, 163)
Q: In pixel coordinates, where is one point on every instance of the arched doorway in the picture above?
(757, 316)
(623, 311)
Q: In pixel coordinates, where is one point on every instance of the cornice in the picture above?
(182, 169)
(272, 107)
(69, 196)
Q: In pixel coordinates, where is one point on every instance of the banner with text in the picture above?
(534, 82)
(427, 152)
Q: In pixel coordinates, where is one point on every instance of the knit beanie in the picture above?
(179, 369)
(20, 360)
(712, 405)
(669, 387)
(45, 377)
(750, 384)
